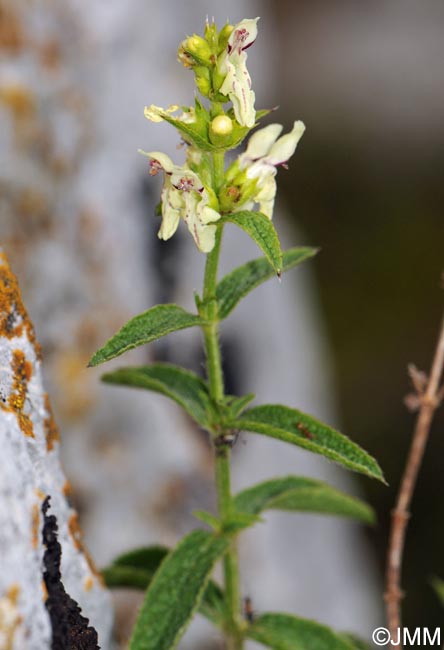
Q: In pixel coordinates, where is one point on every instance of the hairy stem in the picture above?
(429, 402)
(222, 451)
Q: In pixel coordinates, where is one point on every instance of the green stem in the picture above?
(222, 452)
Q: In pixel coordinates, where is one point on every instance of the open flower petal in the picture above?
(184, 196)
(283, 149)
(237, 82)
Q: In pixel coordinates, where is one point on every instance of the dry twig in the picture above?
(429, 396)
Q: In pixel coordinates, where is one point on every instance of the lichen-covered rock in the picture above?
(30, 472)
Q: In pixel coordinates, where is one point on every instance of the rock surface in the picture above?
(30, 472)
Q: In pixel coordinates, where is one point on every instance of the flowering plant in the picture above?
(206, 194)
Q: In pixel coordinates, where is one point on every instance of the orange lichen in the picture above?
(40, 494)
(19, 100)
(35, 525)
(10, 617)
(21, 374)
(13, 316)
(44, 590)
(77, 537)
(67, 489)
(22, 371)
(88, 583)
(51, 431)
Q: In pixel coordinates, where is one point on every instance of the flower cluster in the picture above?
(191, 191)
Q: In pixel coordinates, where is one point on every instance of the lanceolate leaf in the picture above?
(182, 386)
(261, 230)
(147, 558)
(297, 428)
(297, 493)
(234, 286)
(144, 328)
(176, 591)
(126, 576)
(136, 569)
(285, 632)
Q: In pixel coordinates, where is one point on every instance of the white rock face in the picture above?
(30, 471)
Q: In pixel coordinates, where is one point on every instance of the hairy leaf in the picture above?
(286, 632)
(180, 385)
(237, 284)
(236, 405)
(261, 230)
(144, 328)
(297, 428)
(176, 591)
(297, 493)
(135, 570)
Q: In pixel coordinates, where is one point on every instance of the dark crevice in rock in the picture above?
(70, 630)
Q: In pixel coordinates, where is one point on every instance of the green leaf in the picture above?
(234, 286)
(356, 642)
(136, 569)
(297, 428)
(238, 521)
(126, 576)
(144, 328)
(438, 587)
(235, 405)
(286, 632)
(207, 518)
(234, 523)
(147, 558)
(297, 493)
(180, 385)
(261, 230)
(176, 591)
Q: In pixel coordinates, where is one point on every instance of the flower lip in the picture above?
(243, 36)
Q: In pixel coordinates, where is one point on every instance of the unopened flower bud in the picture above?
(199, 49)
(224, 35)
(221, 125)
(184, 58)
(203, 80)
(221, 128)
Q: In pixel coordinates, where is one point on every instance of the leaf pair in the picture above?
(165, 319)
(182, 586)
(273, 420)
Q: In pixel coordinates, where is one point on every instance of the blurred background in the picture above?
(365, 185)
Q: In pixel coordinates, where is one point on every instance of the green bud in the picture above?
(221, 128)
(224, 35)
(210, 34)
(203, 80)
(199, 49)
(184, 58)
(218, 78)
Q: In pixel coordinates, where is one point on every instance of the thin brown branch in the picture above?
(429, 400)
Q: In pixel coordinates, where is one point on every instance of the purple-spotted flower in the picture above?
(232, 64)
(184, 197)
(265, 152)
